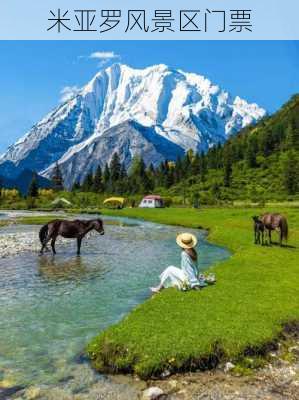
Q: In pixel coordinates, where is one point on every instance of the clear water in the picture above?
(51, 306)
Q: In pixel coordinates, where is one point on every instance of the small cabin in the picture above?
(152, 201)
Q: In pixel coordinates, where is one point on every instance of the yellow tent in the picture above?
(61, 202)
(115, 202)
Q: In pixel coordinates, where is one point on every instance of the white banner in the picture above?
(154, 20)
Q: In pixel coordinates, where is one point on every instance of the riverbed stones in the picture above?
(294, 350)
(165, 374)
(32, 393)
(16, 243)
(228, 367)
(173, 384)
(153, 393)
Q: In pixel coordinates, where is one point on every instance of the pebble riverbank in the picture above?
(12, 244)
(278, 380)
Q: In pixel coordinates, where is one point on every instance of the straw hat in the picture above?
(186, 240)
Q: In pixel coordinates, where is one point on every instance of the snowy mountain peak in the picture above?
(183, 109)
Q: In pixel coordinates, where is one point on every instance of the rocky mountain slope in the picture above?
(156, 112)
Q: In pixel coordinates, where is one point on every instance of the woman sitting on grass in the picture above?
(186, 276)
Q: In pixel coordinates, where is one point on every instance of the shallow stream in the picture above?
(50, 307)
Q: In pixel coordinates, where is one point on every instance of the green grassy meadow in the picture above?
(256, 295)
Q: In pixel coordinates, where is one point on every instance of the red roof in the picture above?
(152, 197)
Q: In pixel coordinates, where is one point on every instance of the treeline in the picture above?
(225, 171)
(139, 178)
(274, 140)
(260, 163)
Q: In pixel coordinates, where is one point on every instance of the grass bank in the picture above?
(256, 294)
(44, 219)
(37, 219)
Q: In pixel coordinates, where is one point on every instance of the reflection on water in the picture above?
(52, 269)
(51, 306)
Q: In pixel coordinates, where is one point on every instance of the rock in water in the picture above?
(152, 393)
(228, 367)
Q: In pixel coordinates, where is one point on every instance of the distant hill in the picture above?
(23, 180)
(260, 163)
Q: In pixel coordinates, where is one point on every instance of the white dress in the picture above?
(187, 275)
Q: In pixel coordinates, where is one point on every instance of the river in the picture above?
(50, 307)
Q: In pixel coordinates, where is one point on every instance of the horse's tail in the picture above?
(284, 228)
(43, 233)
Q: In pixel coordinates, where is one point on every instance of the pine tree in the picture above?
(212, 158)
(195, 165)
(87, 184)
(142, 168)
(115, 168)
(142, 178)
(120, 186)
(186, 164)
(139, 177)
(215, 189)
(162, 173)
(123, 172)
(151, 175)
(227, 165)
(219, 155)
(178, 171)
(33, 187)
(250, 155)
(151, 169)
(292, 136)
(115, 173)
(57, 179)
(290, 171)
(203, 166)
(76, 186)
(266, 142)
(169, 175)
(98, 181)
(106, 178)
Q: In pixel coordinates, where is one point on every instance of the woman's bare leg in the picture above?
(157, 289)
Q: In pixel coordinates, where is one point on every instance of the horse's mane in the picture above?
(87, 222)
(82, 222)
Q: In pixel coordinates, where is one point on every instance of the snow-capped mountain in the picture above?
(156, 112)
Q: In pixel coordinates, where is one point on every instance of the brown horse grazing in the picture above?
(68, 229)
(275, 222)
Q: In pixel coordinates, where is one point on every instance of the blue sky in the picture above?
(34, 74)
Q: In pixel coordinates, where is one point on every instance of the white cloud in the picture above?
(104, 55)
(68, 92)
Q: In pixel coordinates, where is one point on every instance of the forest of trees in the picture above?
(261, 161)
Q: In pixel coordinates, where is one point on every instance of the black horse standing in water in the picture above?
(68, 229)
